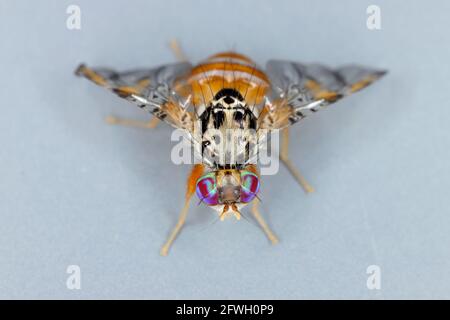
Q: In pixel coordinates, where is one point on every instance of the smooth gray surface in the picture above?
(74, 190)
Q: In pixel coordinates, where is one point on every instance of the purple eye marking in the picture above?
(207, 190)
(249, 186)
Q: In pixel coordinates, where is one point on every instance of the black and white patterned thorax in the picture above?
(228, 130)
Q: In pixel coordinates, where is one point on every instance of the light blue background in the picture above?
(74, 190)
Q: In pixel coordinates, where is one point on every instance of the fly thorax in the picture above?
(227, 124)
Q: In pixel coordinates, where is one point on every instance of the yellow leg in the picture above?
(196, 172)
(176, 49)
(182, 218)
(287, 162)
(263, 223)
(133, 123)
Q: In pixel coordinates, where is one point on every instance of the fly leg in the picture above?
(255, 211)
(177, 51)
(152, 123)
(287, 162)
(176, 230)
(196, 172)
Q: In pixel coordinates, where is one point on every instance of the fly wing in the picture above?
(149, 89)
(302, 89)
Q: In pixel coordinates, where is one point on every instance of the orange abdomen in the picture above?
(226, 70)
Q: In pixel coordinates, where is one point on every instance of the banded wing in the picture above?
(150, 89)
(302, 89)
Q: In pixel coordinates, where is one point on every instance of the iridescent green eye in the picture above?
(249, 186)
(207, 189)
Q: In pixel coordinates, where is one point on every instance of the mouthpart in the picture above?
(229, 210)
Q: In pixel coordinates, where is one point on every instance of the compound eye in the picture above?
(207, 189)
(249, 186)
